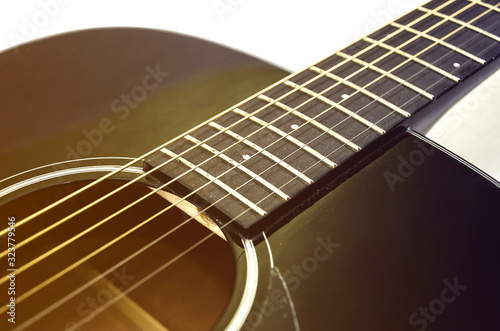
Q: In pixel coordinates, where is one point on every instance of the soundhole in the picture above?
(106, 280)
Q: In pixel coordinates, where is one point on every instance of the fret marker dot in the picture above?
(295, 127)
(246, 157)
(345, 96)
(456, 64)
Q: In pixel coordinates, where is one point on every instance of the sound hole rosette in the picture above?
(243, 254)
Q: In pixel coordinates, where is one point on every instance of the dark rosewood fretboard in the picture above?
(252, 158)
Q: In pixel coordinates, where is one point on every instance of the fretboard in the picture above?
(252, 158)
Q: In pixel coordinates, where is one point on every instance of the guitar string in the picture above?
(408, 101)
(168, 263)
(151, 193)
(125, 166)
(138, 159)
(362, 132)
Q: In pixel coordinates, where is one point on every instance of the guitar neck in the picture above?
(254, 157)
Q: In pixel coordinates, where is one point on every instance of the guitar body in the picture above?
(385, 244)
(403, 237)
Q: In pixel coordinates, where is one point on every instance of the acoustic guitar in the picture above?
(131, 200)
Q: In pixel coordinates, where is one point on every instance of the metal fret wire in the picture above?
(440, 41)
(116, 213)
(330, 153)
(161, 187)
(459, 22)
(391, 76)
(192, 247)
(22, 222)
(246, 170)
(364, 67)
(145, 279)
(487, 5)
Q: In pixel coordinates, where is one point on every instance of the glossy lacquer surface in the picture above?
(114, 92)
(105, 95)
(406, 241)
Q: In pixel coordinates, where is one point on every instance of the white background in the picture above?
(291, 34)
